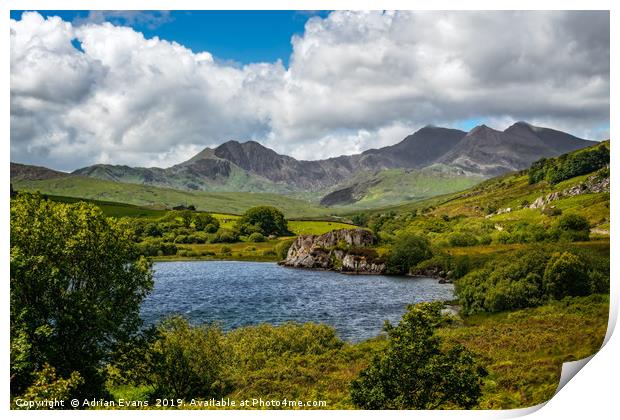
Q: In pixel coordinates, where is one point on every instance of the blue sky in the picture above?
(356, 80)
(239, 36)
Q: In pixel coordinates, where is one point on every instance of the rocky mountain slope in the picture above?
(33, 173)
(491, 152)
(250, 166)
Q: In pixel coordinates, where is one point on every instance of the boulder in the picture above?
(345, 250)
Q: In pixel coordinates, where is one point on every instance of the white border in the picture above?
(592, 393)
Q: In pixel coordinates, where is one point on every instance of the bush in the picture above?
(282, 248)
(265, 219)
(462, 239)
(572, 227)
(566, 275)
(408, 250)
(187, 362)
(256, 237)
(415, 372)
(504, 284)
(254, 346)
(226, 236)
(205, 222)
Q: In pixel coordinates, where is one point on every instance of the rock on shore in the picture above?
(345, 250)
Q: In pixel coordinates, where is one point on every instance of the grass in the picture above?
(524, 350)
(142, 195)
(238, 251)
(394, 186)
(114, 209)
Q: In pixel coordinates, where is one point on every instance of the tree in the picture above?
(408, 250)
(414, 372)
(566, 275)
(206, 222)
(264, 219)
(76, 288)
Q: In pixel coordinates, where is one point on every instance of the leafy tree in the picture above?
(415, 372)
(186, 361)
(206, 222)
(566, 275)
(76, 288)
(266, 219)
(359, 219)
(408, 250)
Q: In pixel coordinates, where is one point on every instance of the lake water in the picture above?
(248, 293)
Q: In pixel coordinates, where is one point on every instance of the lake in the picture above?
(247, 293)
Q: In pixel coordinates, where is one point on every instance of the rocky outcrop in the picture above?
(594, 184)
(346, 250)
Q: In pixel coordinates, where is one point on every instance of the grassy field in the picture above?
(394, 186)
(524, 350)
(155, 197)
(114, 209)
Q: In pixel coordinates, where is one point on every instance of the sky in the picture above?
(154, 88)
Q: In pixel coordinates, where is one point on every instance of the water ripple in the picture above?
(245, 293)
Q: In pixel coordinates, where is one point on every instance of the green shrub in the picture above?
(408, 250)
(205, 222)
(462, 239)
(415, 372)
(226, 236)
(504, 284)
(282, 248)
(572, 227)
(256, 237)
(566, 275)
(187, 362)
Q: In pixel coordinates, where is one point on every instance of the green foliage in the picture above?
(254, 346)
(206, 222)
(415, 372)
(566, 275)
(76, 289)
(224, 235)
(527, 278)
(264, 219)
(569, 165)
(256, 237)
(186, 361)
(359, 219)
(523, 350)
(282, 248)
(572, 227)
(46, 385)
(408, 250)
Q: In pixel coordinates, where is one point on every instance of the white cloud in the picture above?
(357, 80)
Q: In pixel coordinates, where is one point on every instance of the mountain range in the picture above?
(430, 152)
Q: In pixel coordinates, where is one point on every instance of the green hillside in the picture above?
(370, 190)
(510, 199)
(155, 197)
